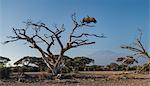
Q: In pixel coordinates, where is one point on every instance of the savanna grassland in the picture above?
(88, 78)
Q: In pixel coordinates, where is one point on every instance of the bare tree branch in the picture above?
(138, 49)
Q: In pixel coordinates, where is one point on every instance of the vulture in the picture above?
(88, 20)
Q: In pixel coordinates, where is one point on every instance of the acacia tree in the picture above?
(81, 62)
(113, 66)
(127, 60)
(27, 60)
(138, 49)
(4, 71)
(4, 60)
(34, 34)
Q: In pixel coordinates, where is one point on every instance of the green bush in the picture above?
(5, 72)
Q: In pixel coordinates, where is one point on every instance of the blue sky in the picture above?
(117, 19)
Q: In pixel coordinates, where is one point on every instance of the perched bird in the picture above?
(88, 20)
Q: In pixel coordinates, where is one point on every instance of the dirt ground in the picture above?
(99, 78)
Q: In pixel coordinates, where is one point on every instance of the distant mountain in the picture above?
(105, 57)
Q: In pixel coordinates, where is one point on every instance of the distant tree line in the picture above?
(36, 64)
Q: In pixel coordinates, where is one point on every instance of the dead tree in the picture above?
(34, 35)
(138, 49)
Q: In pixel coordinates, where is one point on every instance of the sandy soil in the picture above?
(90, 79)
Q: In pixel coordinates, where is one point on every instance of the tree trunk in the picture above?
(147, 66)
(56, 73)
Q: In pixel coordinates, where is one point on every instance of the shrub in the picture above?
(5, 72)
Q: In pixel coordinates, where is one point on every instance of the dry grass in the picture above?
(95, 78)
